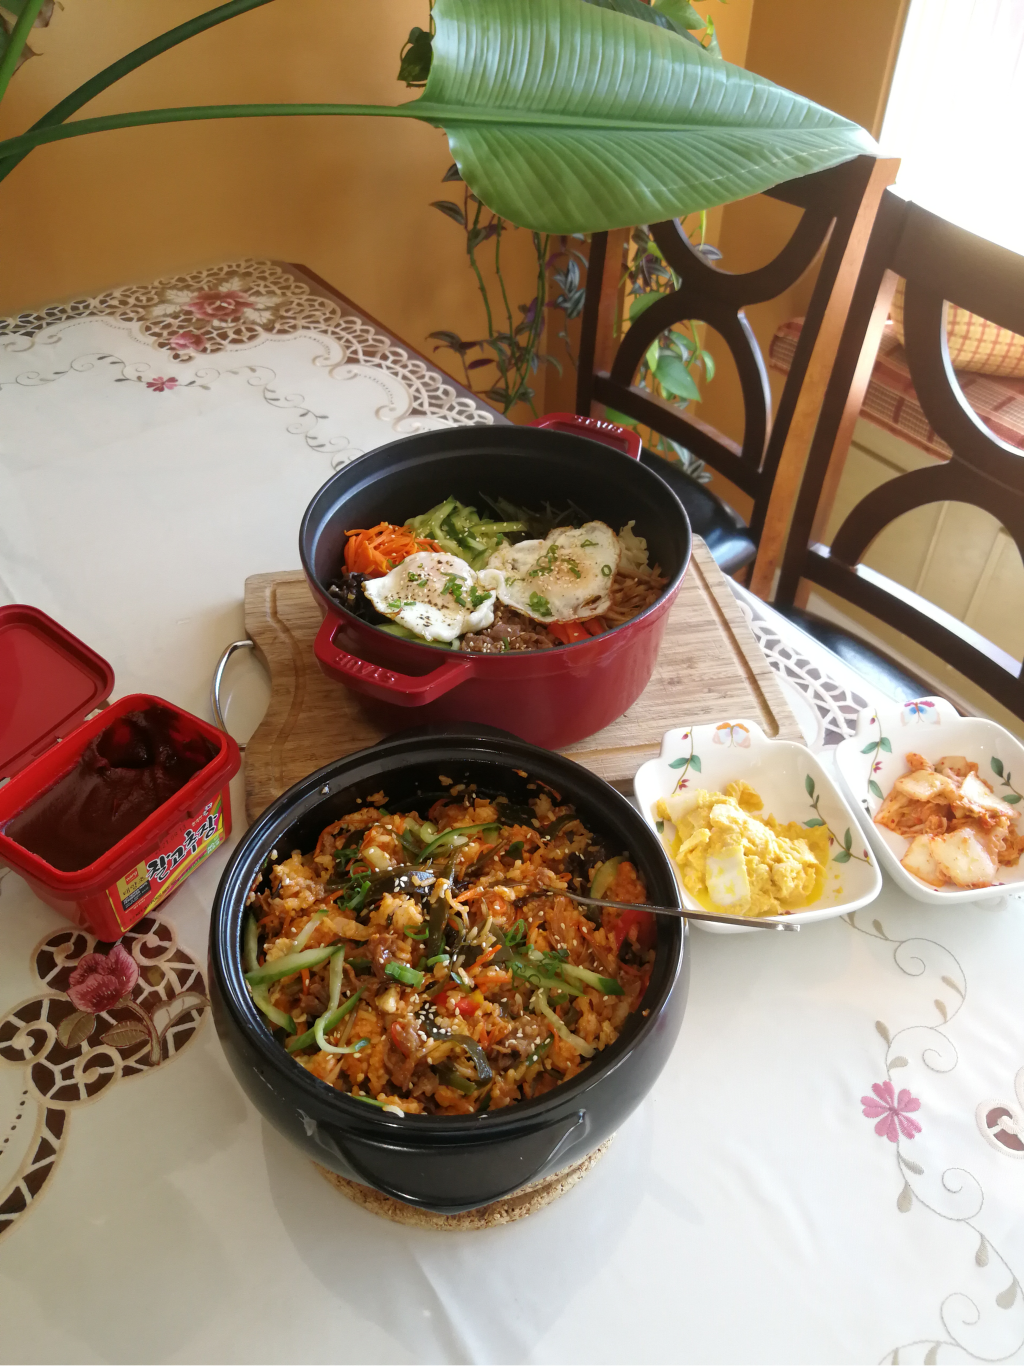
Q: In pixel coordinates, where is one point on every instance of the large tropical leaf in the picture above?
(567, 117)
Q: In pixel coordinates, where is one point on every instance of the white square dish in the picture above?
(871, 761)
(794, 786)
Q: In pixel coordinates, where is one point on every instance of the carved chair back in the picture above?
(939, 262)
(838, 211)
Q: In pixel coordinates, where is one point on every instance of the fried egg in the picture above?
(565, 577)
(436, 596)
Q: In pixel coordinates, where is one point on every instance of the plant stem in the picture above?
(16, 42)
(131, 62)
(194, 113)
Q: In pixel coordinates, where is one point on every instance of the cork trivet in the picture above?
(516, 1206)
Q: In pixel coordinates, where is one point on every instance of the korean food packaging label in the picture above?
(143, 887)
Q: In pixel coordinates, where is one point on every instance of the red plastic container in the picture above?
(49, 681)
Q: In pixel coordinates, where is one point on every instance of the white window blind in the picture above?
(956, 114)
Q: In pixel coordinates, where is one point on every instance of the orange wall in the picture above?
(348, 197)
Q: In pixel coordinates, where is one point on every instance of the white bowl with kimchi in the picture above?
(941, 805)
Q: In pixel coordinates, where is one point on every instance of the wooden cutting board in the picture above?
(710, 669)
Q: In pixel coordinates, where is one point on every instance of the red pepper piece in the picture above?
(646, 929)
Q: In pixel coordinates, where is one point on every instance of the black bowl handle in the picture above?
(449, 1180)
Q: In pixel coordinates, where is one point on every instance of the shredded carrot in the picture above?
(494, 977)
(472, 894)
(594, 626)
(376, 551)
(568, 632)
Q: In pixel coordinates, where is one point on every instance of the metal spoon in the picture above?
(759, 924)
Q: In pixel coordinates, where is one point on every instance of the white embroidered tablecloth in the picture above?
(829, 1168)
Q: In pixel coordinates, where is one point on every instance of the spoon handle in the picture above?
(754, 922)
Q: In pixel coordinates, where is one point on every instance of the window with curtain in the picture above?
(956, 114)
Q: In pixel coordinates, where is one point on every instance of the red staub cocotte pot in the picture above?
(548, 697)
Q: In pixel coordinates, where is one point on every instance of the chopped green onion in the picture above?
(250, 944)
(529, 972)
(476, 1052)
(360, 964)
(318, 1035)
(402, 973)
(306, 933)
(261, 999)
(290, 964)
(515, 850)
(449, 836)
(451, 1077)
(539, 1051)
(608, 985)
(539, 1002)
(438, 958)
(335, 980)
(604, 876)
(331, 1021)
(412, 934)
(381, 1105)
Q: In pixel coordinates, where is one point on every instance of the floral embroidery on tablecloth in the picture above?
(107, 1013)
(986, 1324)
(244, 302)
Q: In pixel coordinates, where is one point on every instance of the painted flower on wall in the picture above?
(102, 979)
(159, 384)
(892, 1111)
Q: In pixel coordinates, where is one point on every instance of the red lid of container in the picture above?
(49, 682)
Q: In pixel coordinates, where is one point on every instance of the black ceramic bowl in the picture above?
(446, 1164)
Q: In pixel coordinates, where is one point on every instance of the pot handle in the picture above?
(373, 1163)
(596, 428)
(403, 690)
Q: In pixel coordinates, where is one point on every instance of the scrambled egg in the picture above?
(739, 863)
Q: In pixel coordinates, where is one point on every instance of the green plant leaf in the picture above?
(566, 117)
(997, 766)
(640, 303)
(648, 14)
(450, 210)
(709, 364)
(416, 57)
(674, 377)
(681, 13)
(623, 419)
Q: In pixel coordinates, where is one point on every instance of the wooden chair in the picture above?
(839, 207)
(939, 262)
